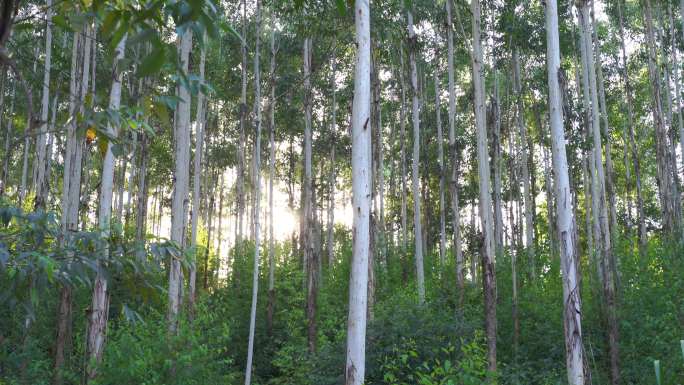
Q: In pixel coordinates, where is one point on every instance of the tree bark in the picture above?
(442, 182)
(486, 217)
(630, 127)
(496, 160)
(239, 185)
(41, 162)
(99, 311)
(71, 189)
(271, 173)
(572, 322)
(527, 190)
(453, 152)
(417, 226)
(257, 193)
(664, 167)
(310, 257)
(361, 190)
(200, 122)
(402, 139)
(605, 235)
(181, 176)
(333, 169)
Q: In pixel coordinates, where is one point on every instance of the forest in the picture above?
(321, 192)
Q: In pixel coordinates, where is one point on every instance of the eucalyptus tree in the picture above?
(97, 322)
(415, 114)
(453, 181)
(179, 203)
(527, 190)
(41, 182)
(197, 169)
(486, 215)
(572, 321)
(271, 176)
(71, 189)
(666, 185)
(440, 159)
(257, 194)
(633, 149)
(310, 256)
(599, 190)
(361, 191)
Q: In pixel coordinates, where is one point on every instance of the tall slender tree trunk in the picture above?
(257, 193)
(678, 103)
(143, 188)
(71, 189)
(200, 121)
(402, 139)
(630, 128)
(361, 190)
(572, 322)
(333, 169)
(527, 190)
(179, 203)
(271, 176)
(41, 163)
(417, 226)
(3, 176)
(8, 138)
(495, 107)
(670, 153)
(97, 322)
(488, 271)
(603, 109)
(219, 228)
(605, 235)
(239, 185)
(453, 153)
(310, 257)
(442, 182)
(664, 171)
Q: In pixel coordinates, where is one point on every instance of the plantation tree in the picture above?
(257, 194)
(354, 372)
(415, 114)
(572, 322)
(97, 324)
(179, 205)
(486, 216)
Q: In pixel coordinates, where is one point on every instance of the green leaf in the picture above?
(153, 63)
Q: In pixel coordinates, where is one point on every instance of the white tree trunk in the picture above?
(71, 189)
(239, 185)
(402, 139)
(333, 169)
(257, 194)
(605, 235)
(271, 176)
(179, 203)
(571, 294)
(361, 191)
(527, 194)
(603, 109)
(415, 112)
(496, 159)
(440, 159)
(97, 322)
(486, 215)
(200, 121)
(310, 257)
(41, 139)
(453, 182)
